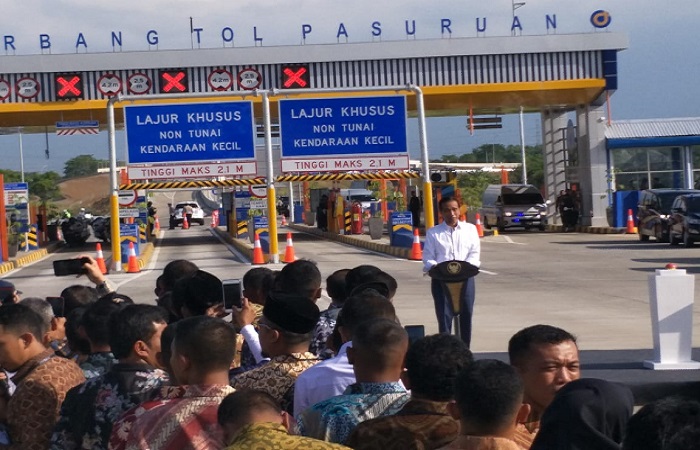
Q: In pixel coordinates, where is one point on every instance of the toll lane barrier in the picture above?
(6, 266)
(379, 247)
(23, 259)
(146, 253)
(590, 230)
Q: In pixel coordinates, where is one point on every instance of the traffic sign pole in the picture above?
(271, 204)
(114, 198)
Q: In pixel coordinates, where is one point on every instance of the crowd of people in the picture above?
(108, 372)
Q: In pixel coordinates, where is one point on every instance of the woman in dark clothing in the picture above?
(586, 414)
(322, 213)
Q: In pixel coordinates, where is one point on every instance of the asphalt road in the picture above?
(592, 285)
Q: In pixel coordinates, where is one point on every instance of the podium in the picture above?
(453, 275)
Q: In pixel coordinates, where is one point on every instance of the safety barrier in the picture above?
(190, 184)
(260, 181)
(350, 176)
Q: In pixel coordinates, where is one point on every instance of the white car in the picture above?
(197, 213)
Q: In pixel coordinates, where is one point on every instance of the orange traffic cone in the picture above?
(416, 251)
(479, 228)
(258, 257)
(185, 223)
(157, 224)
(133, 266)
(631, 229)
(100, 259)
(284, 221)
(289, 251)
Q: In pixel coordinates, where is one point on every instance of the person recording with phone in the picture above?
(452, 240)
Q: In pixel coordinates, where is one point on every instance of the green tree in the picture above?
(81, 166)
(473, 184)
(44, 185)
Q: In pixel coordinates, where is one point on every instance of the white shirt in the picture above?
(324, 380)
(444, 243)
(253, 340)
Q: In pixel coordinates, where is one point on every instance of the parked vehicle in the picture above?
(684, 223)
(101, 228)
(197, 213)
(513, 205)
(75, 231)
(654, 210)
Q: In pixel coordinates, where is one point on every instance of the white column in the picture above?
(553, 124)
(593, 165)
(671, 302)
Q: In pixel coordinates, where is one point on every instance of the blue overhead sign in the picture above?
(190, 132)
(343, 126)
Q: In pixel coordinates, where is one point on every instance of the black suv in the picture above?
(684, 222)
(653, 211)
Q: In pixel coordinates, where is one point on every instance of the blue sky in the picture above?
(658, 72)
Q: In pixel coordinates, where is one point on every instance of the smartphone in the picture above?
(64, 267)
(232, 294)
(58, 304)
(415, 333)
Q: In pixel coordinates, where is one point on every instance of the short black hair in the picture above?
(198, 292)
(375, 340)
(360, 275)
(335, 285)
(447, 199)
(76, 296)
(19, 319)
(175, 270)
(76, 341)
(131, 324)
(258, 278)
(655, 424)
(239, 406)
(685, 438)
(432, 364)
(300, 277)
(488, 393)
(209, 342)
(95, 321)
(523, 341)
(363, 307)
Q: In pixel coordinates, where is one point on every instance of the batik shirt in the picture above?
(324, 329)
(42, 384)
(334, 419)
(420, 424)
(482, 443)
(269, 435)
(182, 418)
(277, 377)
(97, 364)
(91, 409)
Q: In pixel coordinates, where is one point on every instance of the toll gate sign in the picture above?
(343, 134)
(216, 131)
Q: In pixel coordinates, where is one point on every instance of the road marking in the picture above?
(487, 272)
(507, 240)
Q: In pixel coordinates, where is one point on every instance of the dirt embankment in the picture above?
(91, 193)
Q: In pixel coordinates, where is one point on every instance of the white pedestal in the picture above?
(671, 301)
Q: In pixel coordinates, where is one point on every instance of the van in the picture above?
(513, 205)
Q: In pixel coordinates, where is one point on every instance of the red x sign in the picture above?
(69, 86)
(295, 77)
(173, 81)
